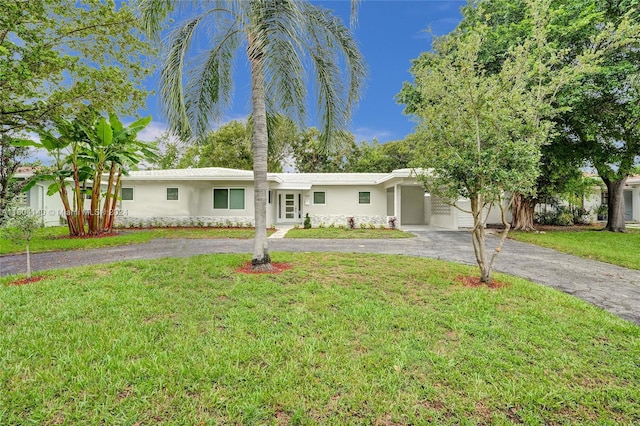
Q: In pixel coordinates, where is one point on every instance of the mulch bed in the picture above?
(473, 281)
(25, 281)
(86, 237)
(247, 268)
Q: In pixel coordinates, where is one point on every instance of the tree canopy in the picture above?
(57, 56)
(481, 130)
(595, 123)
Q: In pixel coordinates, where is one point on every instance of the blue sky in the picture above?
(390, 34)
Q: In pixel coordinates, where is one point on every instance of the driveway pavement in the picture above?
(610, 287)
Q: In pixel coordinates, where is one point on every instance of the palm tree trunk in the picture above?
(94, 214)
(106, 209)
(114, 201)
(71, 218)
(79, 196)
(261, 259)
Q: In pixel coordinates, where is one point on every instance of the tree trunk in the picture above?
(28, 262)
(79, 196)
(94, 213)
(71, 218)
(615, 207)
(478, 239)
(261, 259)
(523, 210)
(114, 201)
(107, 211)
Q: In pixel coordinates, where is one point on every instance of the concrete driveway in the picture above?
(610, 287)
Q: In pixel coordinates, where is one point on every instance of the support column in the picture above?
(635, 202)
(397, 204)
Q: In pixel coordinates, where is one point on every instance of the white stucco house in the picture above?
(219, 196)
(215, 196)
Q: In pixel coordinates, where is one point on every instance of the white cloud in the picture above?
(154, 130)
(368, 134)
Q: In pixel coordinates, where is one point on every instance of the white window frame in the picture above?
(364, 192)
(228, 188)
(133, 193)
(313, 196)
(167, 193)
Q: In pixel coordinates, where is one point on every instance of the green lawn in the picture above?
(338, 339)
(346, 233)
(57, 238)
(618, 248)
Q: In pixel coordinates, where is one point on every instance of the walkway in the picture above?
(610, 287)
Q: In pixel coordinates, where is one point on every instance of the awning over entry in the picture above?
(293, 186)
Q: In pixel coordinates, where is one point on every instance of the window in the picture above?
(126, 194)
(319, 198)
(172, 194)
(364, 197)
(228, 198)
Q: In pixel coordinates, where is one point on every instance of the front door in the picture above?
(289, 207)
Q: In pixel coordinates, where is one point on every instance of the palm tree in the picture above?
(279, 38)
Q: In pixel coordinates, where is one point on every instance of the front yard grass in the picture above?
(346, 233)
(620, 249)
(338, 339)
(57, 238)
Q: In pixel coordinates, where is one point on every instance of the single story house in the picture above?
(219, 196)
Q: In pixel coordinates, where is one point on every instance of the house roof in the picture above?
(206, 173)
(293, 181)
(328, 178)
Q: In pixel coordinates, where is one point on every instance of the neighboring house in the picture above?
(214, 196)
(599, 197)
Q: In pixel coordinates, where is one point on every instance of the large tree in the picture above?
(11, 157)
(228, 146)
(482, 130)
(277, 37)
(56, 56)
(585, 127)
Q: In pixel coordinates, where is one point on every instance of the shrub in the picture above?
(19, 226)
(351, 222)
(392, 222)
(307, 222)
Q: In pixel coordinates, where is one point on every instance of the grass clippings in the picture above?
(276, 268)
(25, 281)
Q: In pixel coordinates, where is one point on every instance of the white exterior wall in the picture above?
(442, 215)
(413, 205)
(342, 202)
(495, 216)
(635, 199)
(49, 207)
(195, 200)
